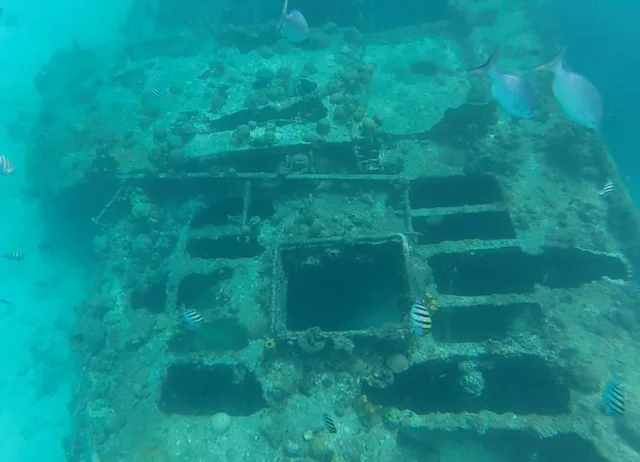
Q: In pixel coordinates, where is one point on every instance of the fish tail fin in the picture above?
(554, 64)
(490, 64)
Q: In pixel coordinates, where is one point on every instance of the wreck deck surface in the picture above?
(322, 244)
(451, 234)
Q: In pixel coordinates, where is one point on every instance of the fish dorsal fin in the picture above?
(490, 64)
(556, 63)
(285, 7)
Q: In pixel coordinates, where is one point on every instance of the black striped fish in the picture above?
(328, 423)
(613, 397)
(14, 256)
(191, 317)
(607, 189)
(420, 318)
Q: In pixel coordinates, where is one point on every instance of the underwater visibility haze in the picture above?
(297, 231)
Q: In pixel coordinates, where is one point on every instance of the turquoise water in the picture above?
(169, 153)
(39, 370)
(600, 39)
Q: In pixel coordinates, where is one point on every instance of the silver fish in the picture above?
(293, 25)
(512, 92)
(579, 98)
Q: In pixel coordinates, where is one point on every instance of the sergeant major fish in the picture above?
(613, 397)
(420, 318)
(607, 189)
(191, 317)
(512, 93)
(578, 97)
(293, 25)
(328, 423)
(14, 256)
(6, 167)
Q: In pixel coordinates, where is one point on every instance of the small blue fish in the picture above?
(420, 318)
(579, 98)
(191, 317)
(293, 25)
(512, 93)
(613, 397)
(157, 92)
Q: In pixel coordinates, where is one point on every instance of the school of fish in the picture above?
(579, 99)
(577, 96)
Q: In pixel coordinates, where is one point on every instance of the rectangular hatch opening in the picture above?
(339, 287)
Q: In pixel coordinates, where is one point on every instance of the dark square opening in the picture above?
(151, 297)
(512, 270)
(485, 225)
(523, 385)
(345, 287)
(230, 246)
(481, 322)
(201, 389)
(454, 191)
